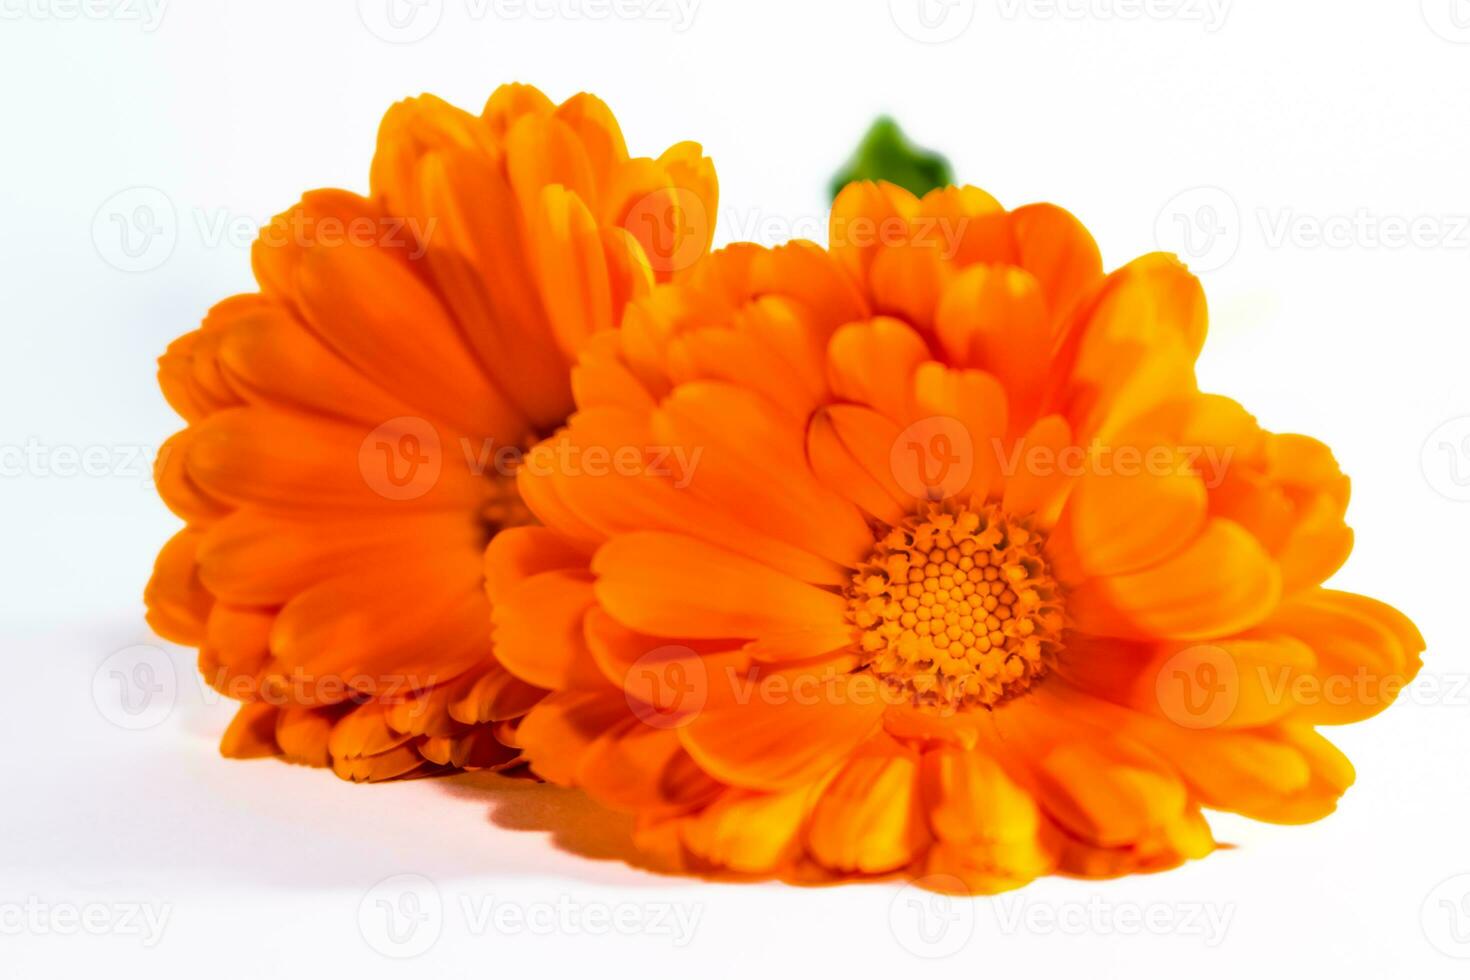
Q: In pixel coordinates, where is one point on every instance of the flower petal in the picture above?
(869, 818)
(673, 585)
(760, 734)
(1222, 583)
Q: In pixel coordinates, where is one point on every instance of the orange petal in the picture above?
(557, 733)
(508, 103)
(971, 800)
(255, 557)
(1036, 483)
(410, 131)
(1101, 786)
(357, 299)
(363, 732)
(1057, 250)
(303, 733)
(545, 152)
(179, 490)
(775, 731)
(638, 768)
(189, 370)
(476, 749)
(1366, 652)
(672, 585)
(396, 763)
(1233, 682)
(491, 694)
(751, 464)
(1133, 347)
(870, 817)
(608, 473)
(272, 357)
(291, 461)
(380, 627)
(907, 279)
(178, 603)
(251, 733)
(236, 648)
(840, 469)
(1283, 775)
(571, 267)
(517, 553)
(481, 265)
(864, 216)
(995, 318)
(1222, 583)
(1118, 521)
(539, 630)
(872, 362)
(771, 346)
(989, 831)
(597, 130)
(749, 832)
(975, 403)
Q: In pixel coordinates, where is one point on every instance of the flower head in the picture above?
(354, 425)
(926, 554)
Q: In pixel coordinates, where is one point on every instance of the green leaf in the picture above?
(887, 154)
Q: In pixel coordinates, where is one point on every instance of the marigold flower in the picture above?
(345, 459)
(935, 561)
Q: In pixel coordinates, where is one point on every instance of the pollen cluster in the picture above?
(957, 609)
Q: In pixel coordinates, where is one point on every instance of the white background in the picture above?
(1347, 118)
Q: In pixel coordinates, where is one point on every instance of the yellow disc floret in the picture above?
(957, 609)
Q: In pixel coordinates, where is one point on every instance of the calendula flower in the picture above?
(928, 556)
(354, 426)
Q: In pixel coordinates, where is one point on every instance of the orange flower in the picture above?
(353, 426)
(927, 555)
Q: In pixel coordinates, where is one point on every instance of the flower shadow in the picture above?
(575, 824)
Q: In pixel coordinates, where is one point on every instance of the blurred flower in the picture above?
(353, 426)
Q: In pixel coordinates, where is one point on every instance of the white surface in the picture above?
(1307, 111)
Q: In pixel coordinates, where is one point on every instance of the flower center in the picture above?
(958, 609)
(503, 506)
